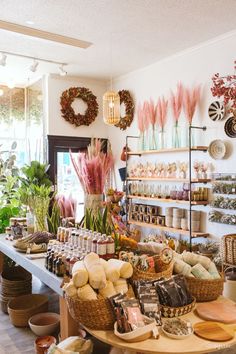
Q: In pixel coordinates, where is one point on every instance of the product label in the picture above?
(110, 248)
(101, 249)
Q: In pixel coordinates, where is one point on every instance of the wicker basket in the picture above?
(16, 281)
(165, 273)
(228, 249)
(170, 312)
(21, 308)
(94, 314)
(205, 290)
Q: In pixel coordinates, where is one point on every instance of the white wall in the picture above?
(196, 65)
(58, 125)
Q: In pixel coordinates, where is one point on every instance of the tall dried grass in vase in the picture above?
(176, 101)
(152, 123)
(92, 169)
(146, 124)
(141, 127)
(161, 119)
(191, 99)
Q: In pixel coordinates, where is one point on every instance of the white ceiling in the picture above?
(143, 31)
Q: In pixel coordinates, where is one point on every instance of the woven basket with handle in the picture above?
(204, 289)
(94, 314)
(228, 249)
(166, 272)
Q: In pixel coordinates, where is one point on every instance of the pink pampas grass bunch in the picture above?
(190, 101)
(93, 167)
(176, 101)
(161, 112)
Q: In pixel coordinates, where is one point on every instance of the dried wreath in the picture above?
(68, 112)
(126, 121)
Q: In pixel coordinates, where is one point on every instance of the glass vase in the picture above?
(93, 202)
(176, 136)
(152, 139)
(141, 142)
(40, 214)
(162, 139)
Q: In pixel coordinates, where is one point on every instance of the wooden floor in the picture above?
(21, 340)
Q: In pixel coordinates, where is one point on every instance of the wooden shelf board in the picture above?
(168, 200)
(160, 151)
(170, 229)
(184, 180)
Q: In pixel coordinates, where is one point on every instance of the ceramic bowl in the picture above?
(45, 323)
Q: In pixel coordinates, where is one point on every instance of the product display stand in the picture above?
(190, 180)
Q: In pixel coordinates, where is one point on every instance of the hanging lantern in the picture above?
(111, 108)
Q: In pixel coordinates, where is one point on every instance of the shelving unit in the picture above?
(189, 180)
(183, 180)
(170, 229)
(167, 200)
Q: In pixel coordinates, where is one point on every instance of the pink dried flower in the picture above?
(191, 99)
(140, 119)
(161, 112)
(176, 101)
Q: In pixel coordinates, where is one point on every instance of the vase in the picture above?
(93, 202)
(30, 222)
(176, 136)
(152, 139)
(40, 222)
(141, 142)
(162, 139)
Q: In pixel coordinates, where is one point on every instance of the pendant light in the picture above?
(111, 103)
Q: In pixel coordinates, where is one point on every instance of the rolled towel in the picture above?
(121, 286)
(180, 267)
(108, 291)
(125, 268)
(112, 273)
(96, 273)
(79, 274)
(70, 289)
(213, 271)
(200, 272)
(86, 293)
(193, 258)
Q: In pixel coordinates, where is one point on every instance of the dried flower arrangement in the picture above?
(93, 167)
(191, 99)
(176, 101)
(225, 86)
(127, 100)
(161, 112)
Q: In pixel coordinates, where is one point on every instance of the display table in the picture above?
(163, 345)
(36, 267)
(166, 345)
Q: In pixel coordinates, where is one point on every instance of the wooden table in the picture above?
(166, 345)
(68, 326)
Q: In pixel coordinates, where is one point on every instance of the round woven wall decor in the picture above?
(68, 112)
(126, 121)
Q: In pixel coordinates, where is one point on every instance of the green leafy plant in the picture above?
(35, 173)
(99, 222)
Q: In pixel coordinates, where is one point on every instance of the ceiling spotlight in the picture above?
(62, 70)
(34, 66)
(3, 59)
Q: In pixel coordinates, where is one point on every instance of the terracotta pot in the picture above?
(42, 344)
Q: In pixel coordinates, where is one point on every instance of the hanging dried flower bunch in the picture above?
(68, 112)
